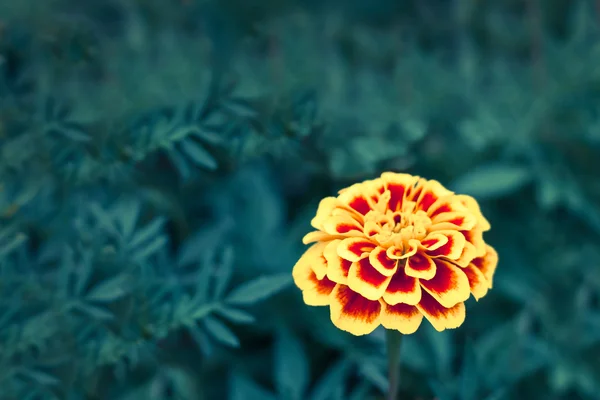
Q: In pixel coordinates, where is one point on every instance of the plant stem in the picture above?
(393, 341)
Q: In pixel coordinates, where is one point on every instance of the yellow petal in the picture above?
(479, 285)
(453, 247)
(337, 267)
(420, 266)
(439, 316)
(363, 278)
(352, 312)
(473, 206)
(401, 317)
(487, 264)
(382, 263)
(402, 289)
(449, 286)
(313, 258)
(355, 248)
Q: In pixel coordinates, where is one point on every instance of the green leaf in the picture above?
(242, 388)
(149, 231)
(469, 377)
(111, 289)
(330, 380)
(223, 272)
(291, 367)
(259, 289)
(235, 315)
(150, 248)
(221, 332)
(199, 155)
(12, 244)
(493, 180)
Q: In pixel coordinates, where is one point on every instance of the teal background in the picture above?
(160, 161)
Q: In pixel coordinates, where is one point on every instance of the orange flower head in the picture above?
(393, 250)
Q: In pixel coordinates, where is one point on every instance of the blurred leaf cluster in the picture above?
(161, 160)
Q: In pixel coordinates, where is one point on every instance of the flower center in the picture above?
(398, 227)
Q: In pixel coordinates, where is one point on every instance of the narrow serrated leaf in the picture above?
(291, 367)
(223, 272)
(235, 315)
(111, 289)
(40, 377)
(94, 312)
(258, 289)
(221, 332)
(333, 378)
(150, 248)
(12, 244)
(198, 154)
(493, 180)
(149, 231)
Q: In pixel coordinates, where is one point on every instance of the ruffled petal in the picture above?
(342, 225)
(432, 191)
(314, 291)
(363, 278)
(439, 316)
(353, 249)
(456, 220)
(420, 266)
(468, 254)
(337, 267)
(382, 263)
(453, 247)
(487, 264)
(402, 289)
(313, 258)
(398, 186)
(316, 236)
(475, 237)
(401, 317)
(449, 286)
(479, 285)
(473, 207)
(434, 241)
(400, 253)
(352, 312)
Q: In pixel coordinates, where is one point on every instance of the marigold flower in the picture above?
(393, 250)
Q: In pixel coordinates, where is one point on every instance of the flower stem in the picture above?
(393, 341)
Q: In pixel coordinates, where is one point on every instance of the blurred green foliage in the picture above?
(160, 161)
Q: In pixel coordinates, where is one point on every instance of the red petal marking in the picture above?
(434, 241)
(402, 288)
(345, 228)
(367, 273)
(323, 286)
(455, 220)
(419, 262)
(420, 266)
(356, 306)
(475, 237)
(479, 285)
(426, 201)
(361, 205)
(449, 286)
(352, 249)
(487, 264)
(342, 225)
(381, 262)
(359, 248)
(452, 249)
(402, 317)
(397, 192)
(439, 316)
(443, 208)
